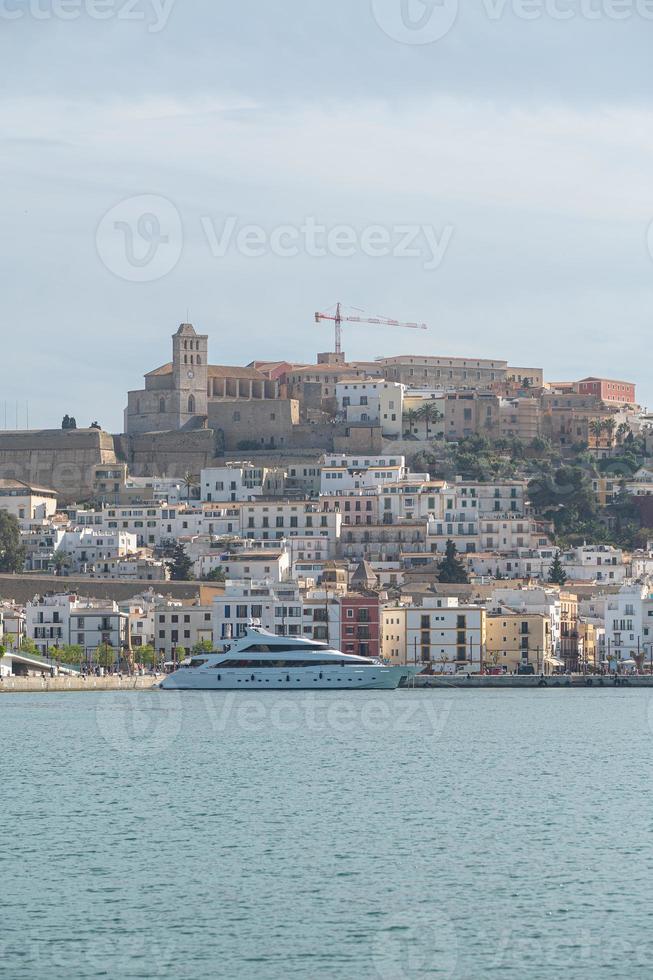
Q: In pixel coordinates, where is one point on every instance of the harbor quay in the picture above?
(63, 684)
(476, 682)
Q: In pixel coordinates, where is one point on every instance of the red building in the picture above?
(360, 624)
(608, 391)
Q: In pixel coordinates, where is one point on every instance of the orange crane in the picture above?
(339, 318)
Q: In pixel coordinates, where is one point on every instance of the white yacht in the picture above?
(262, 661)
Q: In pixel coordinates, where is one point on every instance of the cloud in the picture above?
(550, 205)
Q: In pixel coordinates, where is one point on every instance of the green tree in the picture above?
(204, 646)
(61, 561)
(622, 431)
(451, 569)
(557, 574)
(105, 655)
(28, 646)
(145, 654)
(69, 653)
(181, 567)
(12, 551)
(216, 575)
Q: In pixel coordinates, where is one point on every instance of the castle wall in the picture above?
(60, 459)
(268, 422)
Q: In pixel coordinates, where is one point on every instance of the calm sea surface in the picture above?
(383, 835)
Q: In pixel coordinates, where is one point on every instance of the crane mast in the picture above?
(338, 319)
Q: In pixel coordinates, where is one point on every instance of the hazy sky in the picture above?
(253, 162)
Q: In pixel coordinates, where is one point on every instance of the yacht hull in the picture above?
(372, 678)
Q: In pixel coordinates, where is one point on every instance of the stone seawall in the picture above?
(41, 685)
(529, 681)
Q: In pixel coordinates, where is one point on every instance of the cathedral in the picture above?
(182, 393)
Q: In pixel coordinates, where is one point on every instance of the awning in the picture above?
(554, 660)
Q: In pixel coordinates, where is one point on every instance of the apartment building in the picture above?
(270, 520)
(491, 498)
(343, 474)
(54, 621)
(513, 533)
(382, 542)
(595, 563)
(248, 563)
(615, 392)
(449, 372)
(520, 418)
(533, 599)
(89, 547)
(13, 624)
(360, 619)
(518, 640)
(240, 482)
(354, 507)
(180, 626)
(27, 502)
(41, 544)
(446, 635)
(468, 413)
(132, 567)
(373, 402)
(629, 625)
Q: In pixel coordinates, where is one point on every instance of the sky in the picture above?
(485, 168)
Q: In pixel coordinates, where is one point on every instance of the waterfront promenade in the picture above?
(112, 682)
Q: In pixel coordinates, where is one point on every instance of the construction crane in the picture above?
(338, 317)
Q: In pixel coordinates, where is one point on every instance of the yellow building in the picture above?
(569, 647)
(393, 634)
(513, 639)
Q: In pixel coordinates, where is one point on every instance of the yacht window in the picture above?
(197, 663)
(280, 664)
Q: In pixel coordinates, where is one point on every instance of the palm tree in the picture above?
(596, 428)
(430, 414)
(411, 416)
(622, 432)
(190, 482)
(610, 425)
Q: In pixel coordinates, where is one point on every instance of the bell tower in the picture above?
(189, 373)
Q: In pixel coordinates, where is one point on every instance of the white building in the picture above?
(532, 599)
(180, 626)
(88, 547)
(240, 482)
(277, 607)
(629, 623)
(13, 624)
(373, 402)
(271, 520)
(436, 630)
(271, 564)
(595, 563)
(61, 620)
(26, 502)
(341, 473)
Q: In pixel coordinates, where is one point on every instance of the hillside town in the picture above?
(458, 513)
